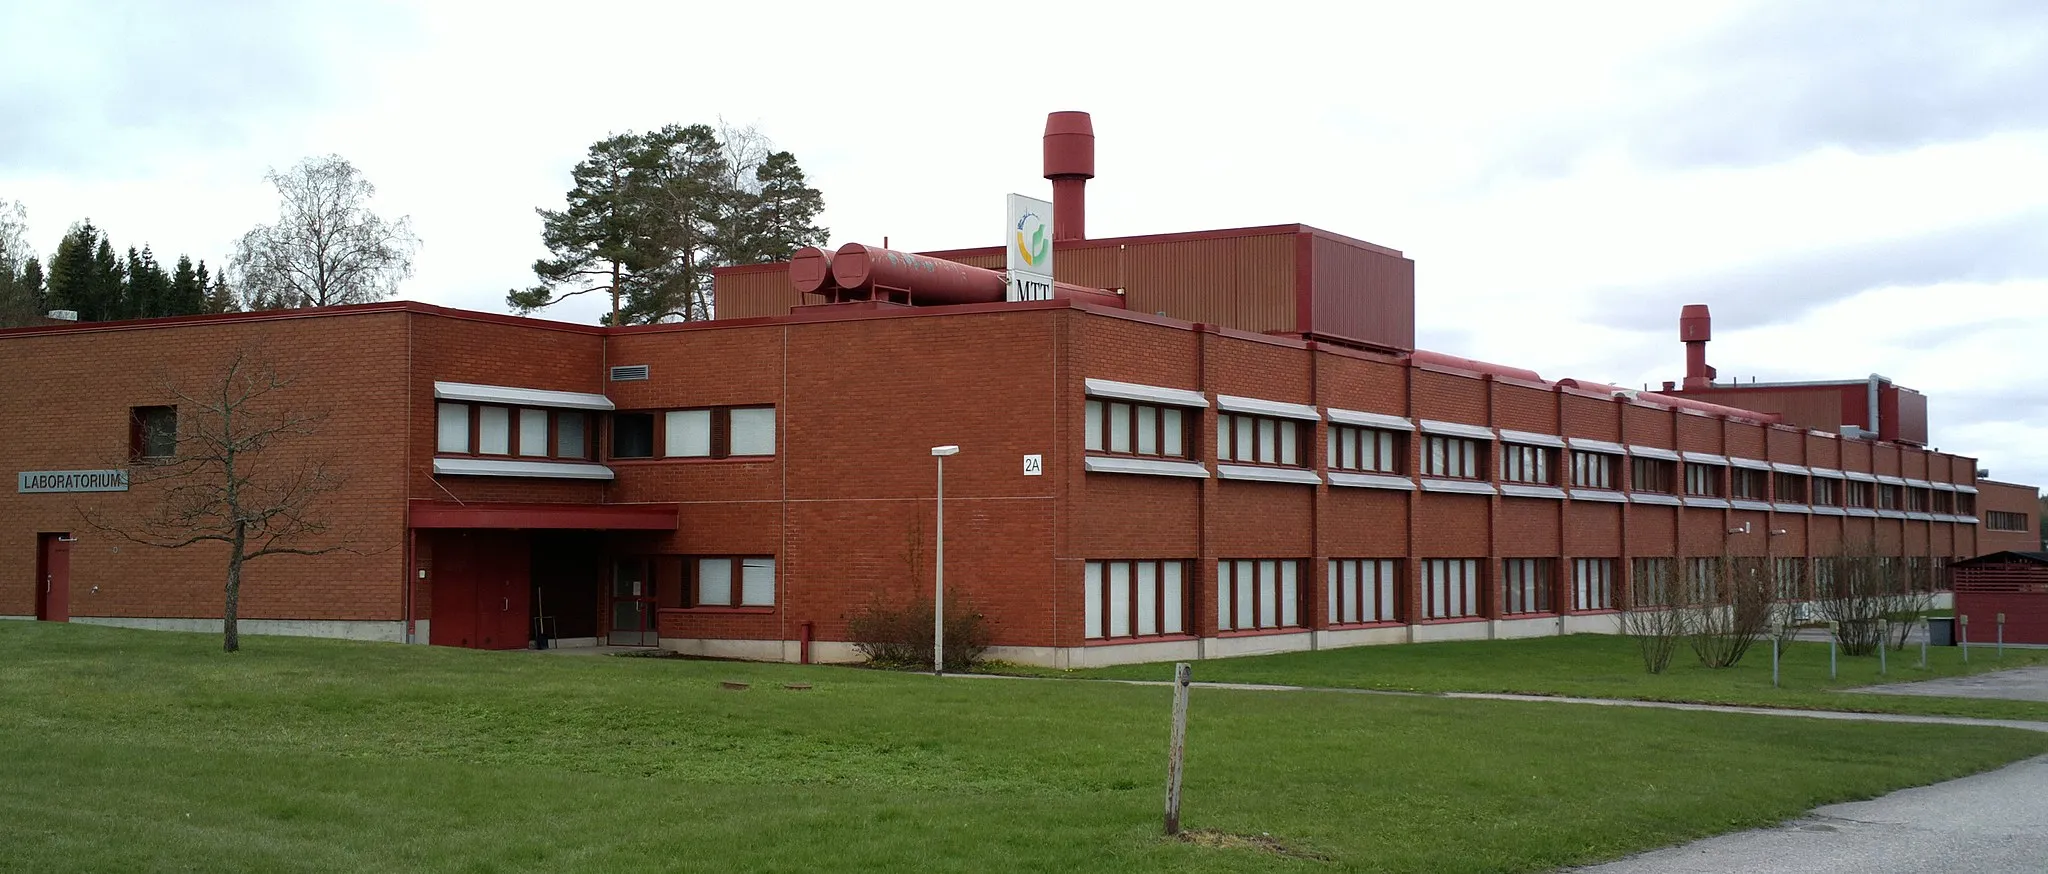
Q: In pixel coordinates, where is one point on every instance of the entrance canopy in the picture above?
(584, 517)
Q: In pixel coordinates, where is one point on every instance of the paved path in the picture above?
(2018, 684)
(1992, 823)
(2023, 724)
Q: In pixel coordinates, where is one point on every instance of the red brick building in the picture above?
(1247, 458)
(2011, 518)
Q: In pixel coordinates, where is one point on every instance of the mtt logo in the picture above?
(1034, 245)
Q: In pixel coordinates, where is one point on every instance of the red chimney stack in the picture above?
(1069, 163)
(1696, 327)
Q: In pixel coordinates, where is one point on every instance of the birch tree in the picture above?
(327, 248)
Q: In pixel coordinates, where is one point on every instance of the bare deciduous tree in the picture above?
(233, 478)
(1655, 621)
(1734, 607)
(1857, 587)
(327, 247)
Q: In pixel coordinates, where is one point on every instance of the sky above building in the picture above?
(1854, 187)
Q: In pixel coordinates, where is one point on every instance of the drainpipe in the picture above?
(1870, 415)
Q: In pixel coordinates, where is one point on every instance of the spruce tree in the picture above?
(188, 288)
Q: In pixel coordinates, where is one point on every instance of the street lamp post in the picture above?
(939, 568)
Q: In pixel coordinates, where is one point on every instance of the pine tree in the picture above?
(148, 290)
(187, 288)
(220, 298)
(650, 215)
(85, 275)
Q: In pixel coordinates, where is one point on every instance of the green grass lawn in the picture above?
(1607, 666)
(128, 750)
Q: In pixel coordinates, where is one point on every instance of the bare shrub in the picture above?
(1654, 622)
(1732, 606)
(1856, 588)
(893, 636)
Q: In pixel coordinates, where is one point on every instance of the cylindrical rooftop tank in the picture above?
(1084, 294)
(860, 267)
(810, 270)
(1427, 357)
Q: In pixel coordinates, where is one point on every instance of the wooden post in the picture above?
(1963, 634)
(1176, 746)
(1774, 661)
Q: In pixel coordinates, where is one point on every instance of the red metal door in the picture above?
(503, 594)
(454, 593)
(53, 577)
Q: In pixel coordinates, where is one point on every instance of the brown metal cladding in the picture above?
(1822, 408)
(748, 293)
(1240, 282)
(1361, 294)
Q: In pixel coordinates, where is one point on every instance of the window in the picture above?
(1593, 470)
(1653, 475)
(1966, 504)
(1137, 429)
(152, 432)
(1651, 581)
(1703, 479)
(1789, 488)
(1918, 500)
(1525, 585)
(1592, 584)
(1789, 575)
(1363, 590)
(1454, 457)
(1917, 577)
(1450, 588)
(1887, 497)
(1999, 520)
(1827, 576)
(1827, 492)
(1524, 464)
(484, 429)
(1263, 593)
(733, 581)
(1859, 494)
(719, 432)
(1259, 439)
(1135, 599)
(1747, 484)
(1703, 577)
(1944, 502)
(632, 435)
(1365, 449)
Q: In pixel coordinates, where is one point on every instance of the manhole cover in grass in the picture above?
(1263, 843)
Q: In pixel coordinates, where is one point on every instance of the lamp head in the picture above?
(943, 451)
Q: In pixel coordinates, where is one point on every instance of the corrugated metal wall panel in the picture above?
(1243, 282)
(748, 294)
(1092, 266)
(1361, 294)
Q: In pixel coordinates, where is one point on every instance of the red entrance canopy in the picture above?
(600, 517)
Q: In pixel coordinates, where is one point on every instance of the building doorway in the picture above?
(53, 577)
(481, 594)
(632, 605)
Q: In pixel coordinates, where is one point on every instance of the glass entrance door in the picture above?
(632, 610)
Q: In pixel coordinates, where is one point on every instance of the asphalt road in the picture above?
(1992, 823)
(2019, 684)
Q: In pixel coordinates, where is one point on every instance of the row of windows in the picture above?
(1147, 598)
(533, 432)
(695, 580)
(529, 432)
(1999, 520)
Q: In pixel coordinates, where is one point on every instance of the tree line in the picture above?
(647, 218)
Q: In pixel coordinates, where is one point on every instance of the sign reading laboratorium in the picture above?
(1029, 242)
(32, 481)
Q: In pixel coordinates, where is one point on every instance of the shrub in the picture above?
(901, 636)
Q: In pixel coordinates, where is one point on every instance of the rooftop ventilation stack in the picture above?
(1069, 163)
(1696, 327)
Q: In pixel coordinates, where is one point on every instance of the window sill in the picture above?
(1127, 641)
(1363, 626)
(1706, 502)
(1296, 475)
(1593, 494)
(1541, 614)
(1371, 480)
(1144, 466)
(716, 611)
(1600, 611)
(730, 459)
(507, 467)
(1459, 486)
(1263, 632)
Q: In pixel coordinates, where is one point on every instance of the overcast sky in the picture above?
(1855, 187)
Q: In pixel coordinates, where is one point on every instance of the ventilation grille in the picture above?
(629, 372)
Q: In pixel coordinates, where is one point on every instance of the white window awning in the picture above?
(1531, 438)
(1587, 445)
(520, 397)
(508, 467)
(1370, 420)
(1653, 452)
(1150, 394)
(1262, 407)
(1455, 429)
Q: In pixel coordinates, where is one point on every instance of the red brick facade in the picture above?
(844, 506)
